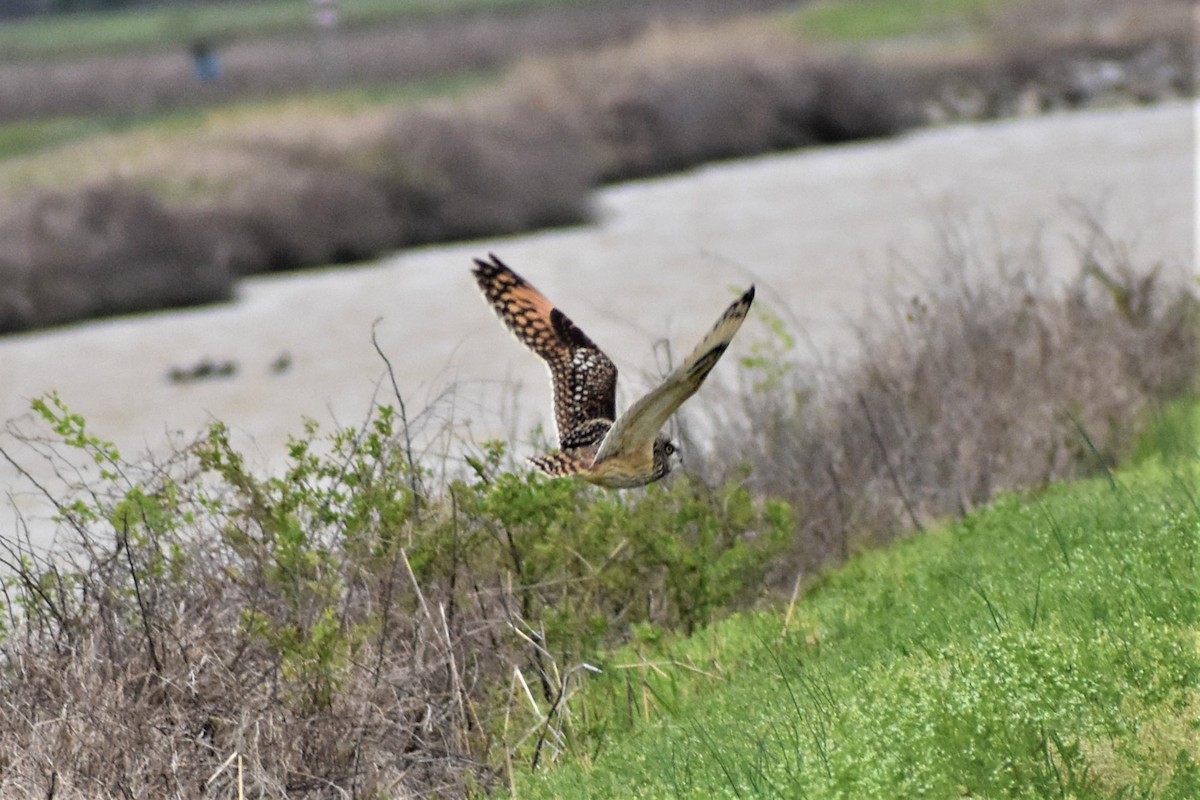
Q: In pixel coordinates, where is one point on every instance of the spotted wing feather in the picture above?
(640, 424)
(559, 465)
(585, 380)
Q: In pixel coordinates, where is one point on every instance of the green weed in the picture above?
(881, 19)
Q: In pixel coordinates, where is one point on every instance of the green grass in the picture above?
(1046, 646)
(51, 36)
(858, 20)
(29, 136)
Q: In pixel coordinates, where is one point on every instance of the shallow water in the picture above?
(822, 232)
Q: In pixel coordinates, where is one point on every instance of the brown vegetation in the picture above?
(352, 628)
(340, 630)
(109, 250)
(406, 50)
(527, 153)
(967, 388)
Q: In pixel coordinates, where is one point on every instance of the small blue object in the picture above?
(208, 68)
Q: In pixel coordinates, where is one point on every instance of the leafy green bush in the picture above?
(337, 624)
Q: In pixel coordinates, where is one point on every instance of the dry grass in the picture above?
(341, 630)
(107, 250)
(485, 168)
(418, 49)
(101, 713)
(1049, 24)
(966, 388)
(681, 97)
(1060, 54)
(350, 629)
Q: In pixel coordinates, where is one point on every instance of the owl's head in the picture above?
(666, 456)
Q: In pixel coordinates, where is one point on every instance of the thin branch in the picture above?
(137, 593)
(912, 514)
(413, 474)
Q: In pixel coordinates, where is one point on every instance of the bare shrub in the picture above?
(485, 168)
(858, 99)
(341, 629)
(399, 50)
(969, 388)
(1043, 55)
(1046, 24)
(678, 98)
(319, 214)
(665, 102)
(111, 249)
(1070, 53)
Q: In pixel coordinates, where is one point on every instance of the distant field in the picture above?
(166, 28)
(63, 36)
(874, 19)
(27, 137)
(137, 64)
(171, 27)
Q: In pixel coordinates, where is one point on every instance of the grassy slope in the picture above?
(1043, 647)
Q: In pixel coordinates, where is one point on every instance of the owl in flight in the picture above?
(596, 445)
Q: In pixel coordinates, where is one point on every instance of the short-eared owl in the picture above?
(631, 451)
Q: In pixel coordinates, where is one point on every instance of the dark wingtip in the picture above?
(486, 269)
(749, 295)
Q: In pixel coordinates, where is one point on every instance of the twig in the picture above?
(1112, 481)
(413, 475)
(887, 462)
(224, 766)
(508, 766)
(837, 499)
(137, 593)
(455, 681)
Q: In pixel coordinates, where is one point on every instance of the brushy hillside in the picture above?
(1045, 646)
(86, 228)
(963, 388)
(361, 624)
(139, 60)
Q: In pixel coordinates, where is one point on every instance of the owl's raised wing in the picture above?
(640, 424)
(584, 378)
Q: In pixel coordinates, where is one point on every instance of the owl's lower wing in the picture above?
(640, 424)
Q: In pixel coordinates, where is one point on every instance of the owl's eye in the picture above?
(669, 449)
